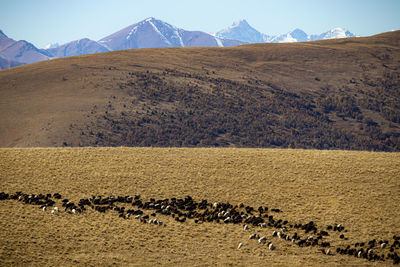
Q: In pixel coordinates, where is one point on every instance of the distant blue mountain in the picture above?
(241, 30)
(152, 33)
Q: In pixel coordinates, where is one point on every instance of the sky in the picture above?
(49, 21)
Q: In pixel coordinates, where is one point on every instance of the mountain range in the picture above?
(241, 30)
(14, 53)
(151, 33)
(154, 33)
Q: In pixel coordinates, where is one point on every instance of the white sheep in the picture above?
(271, 246)
(279, 234)
(55, 210)
(253, 236)
(240, 245)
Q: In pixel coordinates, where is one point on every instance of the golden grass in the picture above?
(361, 190)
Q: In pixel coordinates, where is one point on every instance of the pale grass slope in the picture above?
(361, 190)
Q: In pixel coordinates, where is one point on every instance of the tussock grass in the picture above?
(360, 190)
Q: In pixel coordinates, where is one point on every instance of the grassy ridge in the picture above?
(358, 189)
(333, 94)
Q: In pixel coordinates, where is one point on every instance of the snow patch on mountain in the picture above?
(337, 33)
(333, 34)
(176, 32)
(219, 42)
(132, 31)
(267, 38)
(296, 35)
(51, 45)
(149, 20)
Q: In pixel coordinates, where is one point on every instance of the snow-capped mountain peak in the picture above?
(333, 34)
(78, 47)
(241, 22)
(149, 32)
(296, 35)
(299, 35)
(241, 30)
(337, 33)
(152, 32)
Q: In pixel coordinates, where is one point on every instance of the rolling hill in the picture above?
(330, 94)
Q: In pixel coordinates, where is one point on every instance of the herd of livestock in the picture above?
(182, 209)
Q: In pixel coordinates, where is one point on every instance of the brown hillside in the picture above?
(340, 93)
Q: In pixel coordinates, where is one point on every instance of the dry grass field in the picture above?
(360, 190)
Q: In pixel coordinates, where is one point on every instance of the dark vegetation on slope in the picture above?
(163, 112)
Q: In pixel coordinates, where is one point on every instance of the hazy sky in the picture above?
(48, 21)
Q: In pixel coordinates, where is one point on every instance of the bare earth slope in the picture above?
(327, 94)
(360, 190)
